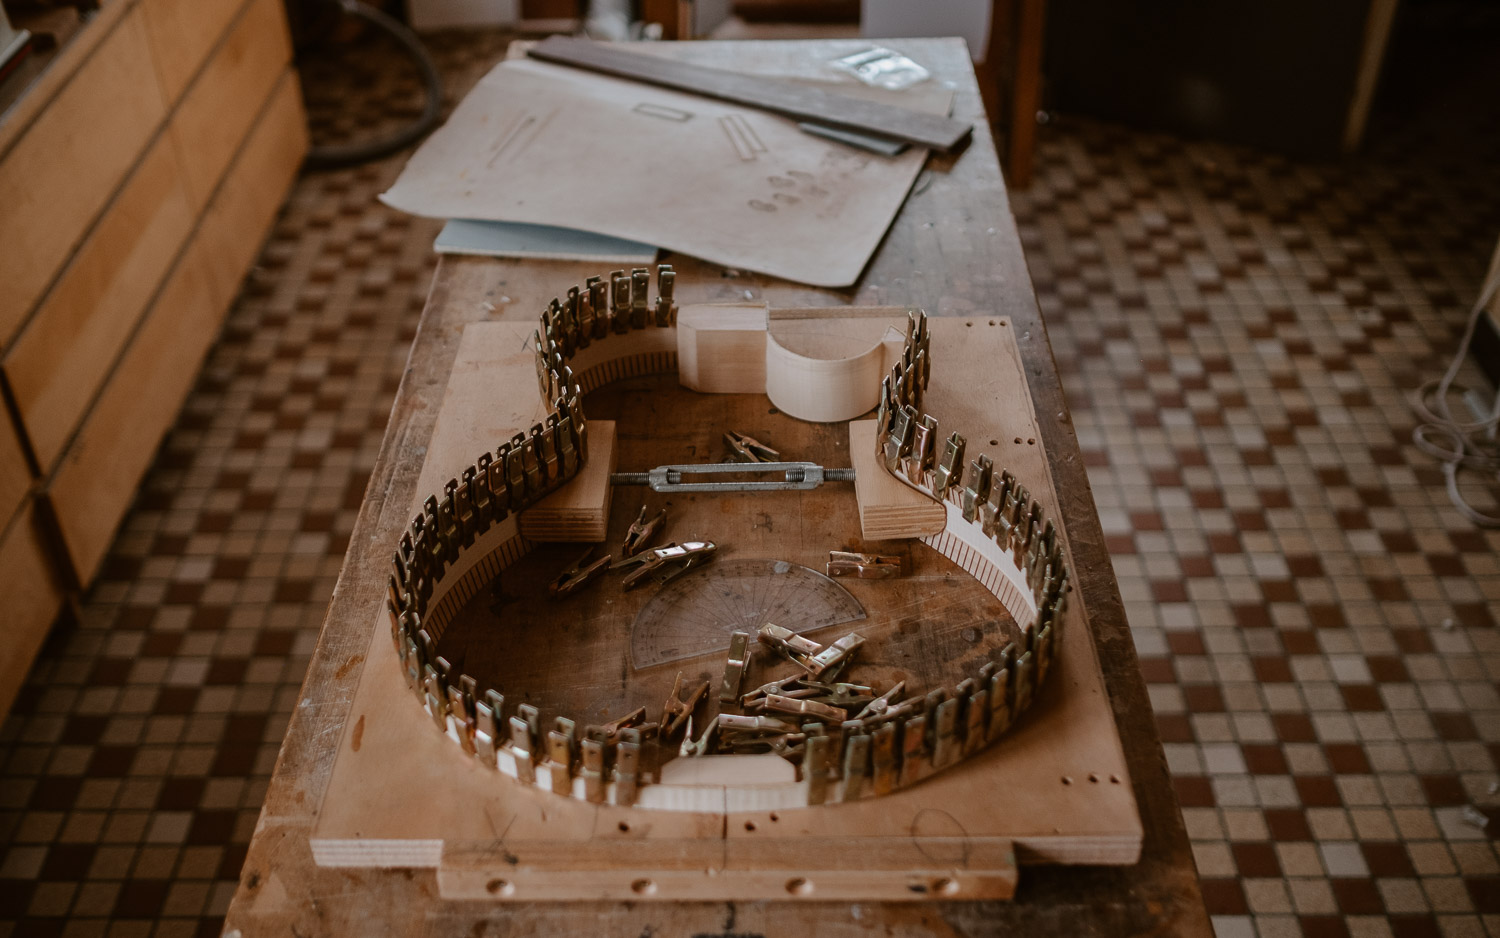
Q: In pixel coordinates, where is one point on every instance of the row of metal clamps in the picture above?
(516, 476)
(597, 309)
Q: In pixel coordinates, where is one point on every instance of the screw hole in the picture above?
(945, 887)
(1067, 779)
(994, 442)
(1093, 778)
(992, 322)
(643, 887)
(1114, 779)
(1031, 442)
(774, 817)
(969, 325)
(749, 825)
(1018, 441)
(499, 887)
(624, 827)
(798, 886)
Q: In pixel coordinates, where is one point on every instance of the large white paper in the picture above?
(550, 145)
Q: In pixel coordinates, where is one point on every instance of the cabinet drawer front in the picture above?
(15, 473)
(182, 33)
(31, 596)
(220, 107)
(60, 173)
(237, 222)
(97, 478)
(65, 352)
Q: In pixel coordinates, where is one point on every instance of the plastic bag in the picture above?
(882, 68)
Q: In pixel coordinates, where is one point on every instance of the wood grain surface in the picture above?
(952, 250)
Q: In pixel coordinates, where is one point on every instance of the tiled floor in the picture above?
(1236, 333)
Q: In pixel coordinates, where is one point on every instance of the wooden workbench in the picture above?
(953, 250)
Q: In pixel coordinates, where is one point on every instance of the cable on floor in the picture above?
(1460, 444)
(349, 154)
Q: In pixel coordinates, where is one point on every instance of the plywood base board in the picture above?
(897, 871)
(1054, 789)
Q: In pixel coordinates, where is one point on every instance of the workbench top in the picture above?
(953, 250)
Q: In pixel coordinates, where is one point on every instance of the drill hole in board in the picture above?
(624, 827)
(500, 887)
(1067, 779)
(994, 442)
(749, 825)
(643, 887)
(1018, 441)
(1093, 778)
(798, 886)
(945, 886)
(774, 817)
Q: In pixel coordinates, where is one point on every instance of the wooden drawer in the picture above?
(65, 351)
(97, 478)
(60, 172)
(15, 472)
(223, 103)
(31, 596)
(240, 217)
(182, 33)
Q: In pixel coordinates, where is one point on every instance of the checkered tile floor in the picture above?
(1236, 334)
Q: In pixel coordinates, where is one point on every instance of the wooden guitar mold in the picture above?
(1059, 776)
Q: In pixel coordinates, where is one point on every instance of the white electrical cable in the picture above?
(1460, 444)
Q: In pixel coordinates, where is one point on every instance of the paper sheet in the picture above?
(550, 145)
(518, 239)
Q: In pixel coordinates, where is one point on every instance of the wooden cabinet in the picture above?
(139, 177)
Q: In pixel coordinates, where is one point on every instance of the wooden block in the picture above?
(15, 472)
(887, 508)
(721, 348)
(789, 99)
(223, 103)
(97, 477)
(31, 595)
(579, 511)
(63, 355)
(182, 33)
(61, 172)
(240, 217)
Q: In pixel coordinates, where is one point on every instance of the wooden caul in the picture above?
(1060, 770)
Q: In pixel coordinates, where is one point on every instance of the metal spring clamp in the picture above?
(665, 563)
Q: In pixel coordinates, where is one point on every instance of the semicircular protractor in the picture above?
(696, 613)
